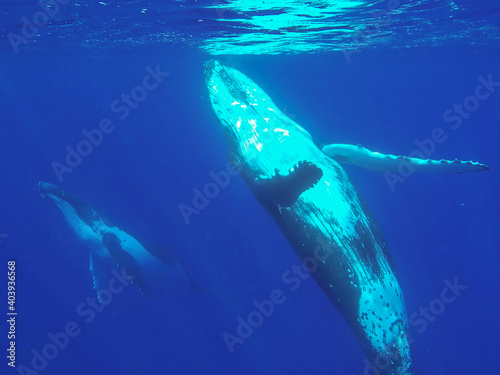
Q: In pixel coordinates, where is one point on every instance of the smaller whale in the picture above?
(110, 247)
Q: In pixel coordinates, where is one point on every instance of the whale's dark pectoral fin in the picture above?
(286, 189)
(99, 275)
(125, 261)
(361, 156)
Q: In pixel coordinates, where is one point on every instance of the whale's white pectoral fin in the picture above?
(361, 156)
(99, 274)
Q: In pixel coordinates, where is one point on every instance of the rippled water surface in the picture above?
(252, 27)
(398, 77)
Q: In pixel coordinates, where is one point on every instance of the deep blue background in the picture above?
(437, 226)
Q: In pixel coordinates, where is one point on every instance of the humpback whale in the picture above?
(111, 247)
(303, 187)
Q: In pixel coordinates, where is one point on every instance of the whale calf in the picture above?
(111, 247)
(303, 187)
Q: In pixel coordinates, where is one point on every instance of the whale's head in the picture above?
(76, 211)
(56, 195)
(262, 139)
(50, 190)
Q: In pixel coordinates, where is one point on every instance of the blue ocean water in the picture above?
(387, 89)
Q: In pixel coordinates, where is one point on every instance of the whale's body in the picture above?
(109, 246)
(311, 198)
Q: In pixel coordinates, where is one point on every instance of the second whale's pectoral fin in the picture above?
(125, 261)
(361, 156)
(99, 275)
(286, 189)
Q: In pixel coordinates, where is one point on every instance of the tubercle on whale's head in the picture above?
(258, 132)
